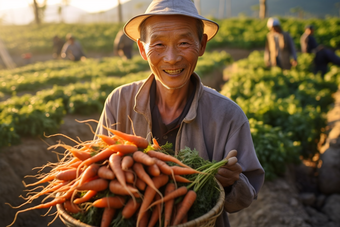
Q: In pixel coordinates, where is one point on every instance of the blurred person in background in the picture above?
(307, 41)
(323, 55)
(123, 45)
(172, 105)
(72, 49)
(279, 49)
(58, 44)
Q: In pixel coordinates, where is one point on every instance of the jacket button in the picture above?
(165, 137)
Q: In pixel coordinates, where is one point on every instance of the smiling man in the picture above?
(172, 105)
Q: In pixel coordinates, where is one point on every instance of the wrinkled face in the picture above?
(172, 48)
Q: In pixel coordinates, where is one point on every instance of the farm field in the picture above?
(287, 110)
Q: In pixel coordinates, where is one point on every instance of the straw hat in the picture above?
(169, 7)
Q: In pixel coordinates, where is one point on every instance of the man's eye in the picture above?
(184, 43)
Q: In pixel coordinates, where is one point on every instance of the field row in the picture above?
(235, 32)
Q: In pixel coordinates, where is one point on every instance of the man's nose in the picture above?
(172, 55)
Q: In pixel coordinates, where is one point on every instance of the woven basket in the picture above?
(206, 220)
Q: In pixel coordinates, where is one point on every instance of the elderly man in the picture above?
(172, 105)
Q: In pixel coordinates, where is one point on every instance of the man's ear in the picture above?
(141, 49)
(203, 44)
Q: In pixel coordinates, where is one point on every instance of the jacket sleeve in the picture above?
(266, 53)
(242, 193)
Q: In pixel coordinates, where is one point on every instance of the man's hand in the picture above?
(229, 173)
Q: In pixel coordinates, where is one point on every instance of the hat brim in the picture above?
(132, 31)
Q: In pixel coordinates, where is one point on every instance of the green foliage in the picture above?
(284, 106)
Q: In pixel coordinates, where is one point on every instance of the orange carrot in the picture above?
(104, 154)
(116, 188)
(97, 185)
(49, 177)
(183, 171)
(127, 162)
(130, 208)
(155, 214)
(155, 144)
(153, 170)
(144, 220)
(168, 206)
(130, 177)
(107, 216)
(139, 170)
(115, 202)
(81, 154)
(66, 175)
(141, 185)
(165, 157)
(150, 193)
(164, 168)
(115, 165)
(105, 173)
(88, 195)
(143, 158)
(71, 207)
(137, 140)
(181, 179)
(89, 172)
(107, 139)
(54, 202)
(187, 202)
(172, 195)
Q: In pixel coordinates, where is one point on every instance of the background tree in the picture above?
(299, 11)
(63, 4)
(120, 15)
(39, 11)
(263, 9)
(256, 10)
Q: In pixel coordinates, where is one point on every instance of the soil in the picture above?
(278, 203)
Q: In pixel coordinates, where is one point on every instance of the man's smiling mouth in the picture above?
(173, 72)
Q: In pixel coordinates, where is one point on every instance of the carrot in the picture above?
(49, 177)
(115, 202)
(137, 140)
(81, 154)
(155, 214)
(141, 185)
(181, 179)
(66, 175)
(153, 170)
(129, 176)
(155, 144)
(54, 202)
(97, 185)
(127, 162)
(115, 165)
(144, 220)
(183, 171)
(71, 207)
(139, 170)
(89, 172)
(88, 195)
(187, 202)
(104, 154)
(143, 158)
(107, 216)
(105, 173)
(165, 157)
(163, 167)
(172, 195)
(130, 208)
(107, 139)
(150, 193)
(168, 205)
(116, 188)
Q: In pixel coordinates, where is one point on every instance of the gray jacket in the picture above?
(214, 126)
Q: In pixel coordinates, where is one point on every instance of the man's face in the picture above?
(172, 48)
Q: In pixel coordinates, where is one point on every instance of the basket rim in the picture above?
(214, 212)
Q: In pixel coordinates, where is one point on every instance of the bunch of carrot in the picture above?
(113, 174)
